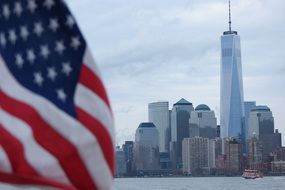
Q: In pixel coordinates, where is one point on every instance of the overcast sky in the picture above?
(164, 50)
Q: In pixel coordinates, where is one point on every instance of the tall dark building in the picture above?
(218, 131)
(146, 148)
(128, 149)
(180, 116)
(261, 125)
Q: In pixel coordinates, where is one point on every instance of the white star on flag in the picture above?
(12, 36)
(61, 95)
(38, 79)
(32, 6)
(45, 51)
(52, 73)
(53, 24)
(24, 33)
(6, 11)
(18, 9)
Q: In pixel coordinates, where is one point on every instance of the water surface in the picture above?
(200, 183)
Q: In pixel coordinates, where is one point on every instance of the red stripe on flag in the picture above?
(15, 152)
(26, 180)
(100, 132)
(53, 142)
(94, 83)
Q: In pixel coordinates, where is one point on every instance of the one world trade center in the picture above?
(232, 100)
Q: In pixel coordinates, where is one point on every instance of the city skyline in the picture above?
(170, 50)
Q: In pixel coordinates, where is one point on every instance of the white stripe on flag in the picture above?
(41, 160)
(86, 144)
(96, 107)
(89, 61)
(5, 165)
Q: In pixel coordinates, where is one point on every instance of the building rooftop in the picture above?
(202, 107)
(146, 125)
(260, 108)
(230, 32)
(182, 101)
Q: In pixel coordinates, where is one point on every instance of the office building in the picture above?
(234, 163)
(254, 157)
(261, 121)
(203, 122)
(180, 116)
(146, 148)
(261, 125)
(231, 97)
(120, 162)
(165, 163)
(248, 105)
(158, 114)
(218, 131)
(198, 155)
(128, 149)
(218, 146)
(279, 154)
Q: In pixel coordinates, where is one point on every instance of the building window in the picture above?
(227, 52)
(199, 115)
(238, 53)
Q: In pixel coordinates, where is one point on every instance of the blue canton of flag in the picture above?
(43, 48)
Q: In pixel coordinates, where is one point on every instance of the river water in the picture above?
(200, 183)
(195, 183)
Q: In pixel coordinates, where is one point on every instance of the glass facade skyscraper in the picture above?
(158, 114)
(203, 122)
(261, 125)
(180, 116)
(232, 100)
(146, 147)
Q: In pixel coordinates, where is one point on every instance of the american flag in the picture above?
(56, 124)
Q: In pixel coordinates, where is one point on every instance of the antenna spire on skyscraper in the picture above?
(230, 22)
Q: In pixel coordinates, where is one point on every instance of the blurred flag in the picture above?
(56, 124)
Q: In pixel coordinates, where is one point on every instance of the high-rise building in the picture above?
(180, 116)
(234, 155)
(198, 155)
(231, 100)
(218, 146)
(248, 105)
(254, 157)
(261, 121)
(203, 122)
(218, 131)
(128, 149)
(146, 148)
(120, 162)
(261, 125)
(158, 113)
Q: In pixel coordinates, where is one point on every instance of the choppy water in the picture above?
(200, 183)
